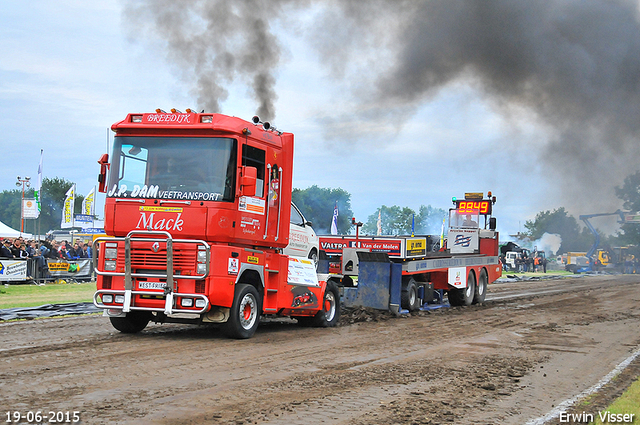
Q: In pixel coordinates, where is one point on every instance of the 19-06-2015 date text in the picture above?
(46, 416)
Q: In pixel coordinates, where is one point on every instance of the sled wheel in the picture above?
(463, 296)
(409, 298)
(470, 290)
(481, 287)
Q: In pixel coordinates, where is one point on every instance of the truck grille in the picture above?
(146, 258)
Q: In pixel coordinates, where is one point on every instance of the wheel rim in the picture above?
(468, 290)
(412, 297)
(314, 257)
(329, 306)
(481, 287)
(248, 311)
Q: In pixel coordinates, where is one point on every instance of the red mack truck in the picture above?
(197, 212)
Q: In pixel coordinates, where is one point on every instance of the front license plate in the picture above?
(151, 285)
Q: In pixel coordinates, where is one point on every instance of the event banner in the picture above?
(88, 204)
(74, 268)
(67, 208)
(11, 270)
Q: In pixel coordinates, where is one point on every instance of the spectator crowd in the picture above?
(37, 252)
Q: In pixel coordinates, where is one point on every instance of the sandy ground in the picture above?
(508, 361)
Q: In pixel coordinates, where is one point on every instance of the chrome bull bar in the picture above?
(170, 291)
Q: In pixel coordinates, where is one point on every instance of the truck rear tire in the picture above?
(244, 316)
(481, 287)
(133, 323)
(409, 297)
(329, 316)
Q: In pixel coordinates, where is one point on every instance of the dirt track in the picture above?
(505, 362)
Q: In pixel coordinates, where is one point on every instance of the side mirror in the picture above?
(248, 181)
(492, 223)
(104, 168)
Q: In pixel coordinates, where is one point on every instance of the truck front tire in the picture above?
(133, 323)
(244, 316)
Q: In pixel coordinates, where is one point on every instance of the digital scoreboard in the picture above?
(483, 206)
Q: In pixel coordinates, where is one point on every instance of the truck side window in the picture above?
(254, 157)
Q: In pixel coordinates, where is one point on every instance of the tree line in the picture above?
(317, 204)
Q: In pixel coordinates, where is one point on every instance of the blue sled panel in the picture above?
(374, 274)
(373, 285)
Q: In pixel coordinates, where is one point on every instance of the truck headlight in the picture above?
(202, 256)
(201, 268)
(200, 303)
(187, 302)
(111, 253)
(107, 298)
(119, 299)
(110, 266)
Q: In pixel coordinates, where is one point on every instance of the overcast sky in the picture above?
(393, 107)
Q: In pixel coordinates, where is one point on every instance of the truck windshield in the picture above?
(463, 219)
(188, 168)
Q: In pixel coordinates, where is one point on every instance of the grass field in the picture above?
(628, 403)
(12, 296)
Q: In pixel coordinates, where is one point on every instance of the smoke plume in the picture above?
(213, 43)
(572, 65)
(549, 242)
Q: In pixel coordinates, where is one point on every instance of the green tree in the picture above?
(397, 220)
(52, 197)
(630, 194)
(317, 205)
(10, 207)
(558, 221)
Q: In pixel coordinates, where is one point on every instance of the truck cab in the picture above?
(197, 214)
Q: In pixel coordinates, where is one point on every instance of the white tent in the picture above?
(8, 232)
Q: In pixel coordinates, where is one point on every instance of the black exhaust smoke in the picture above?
(573, 65)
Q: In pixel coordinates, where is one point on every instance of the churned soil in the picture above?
(510, 360)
